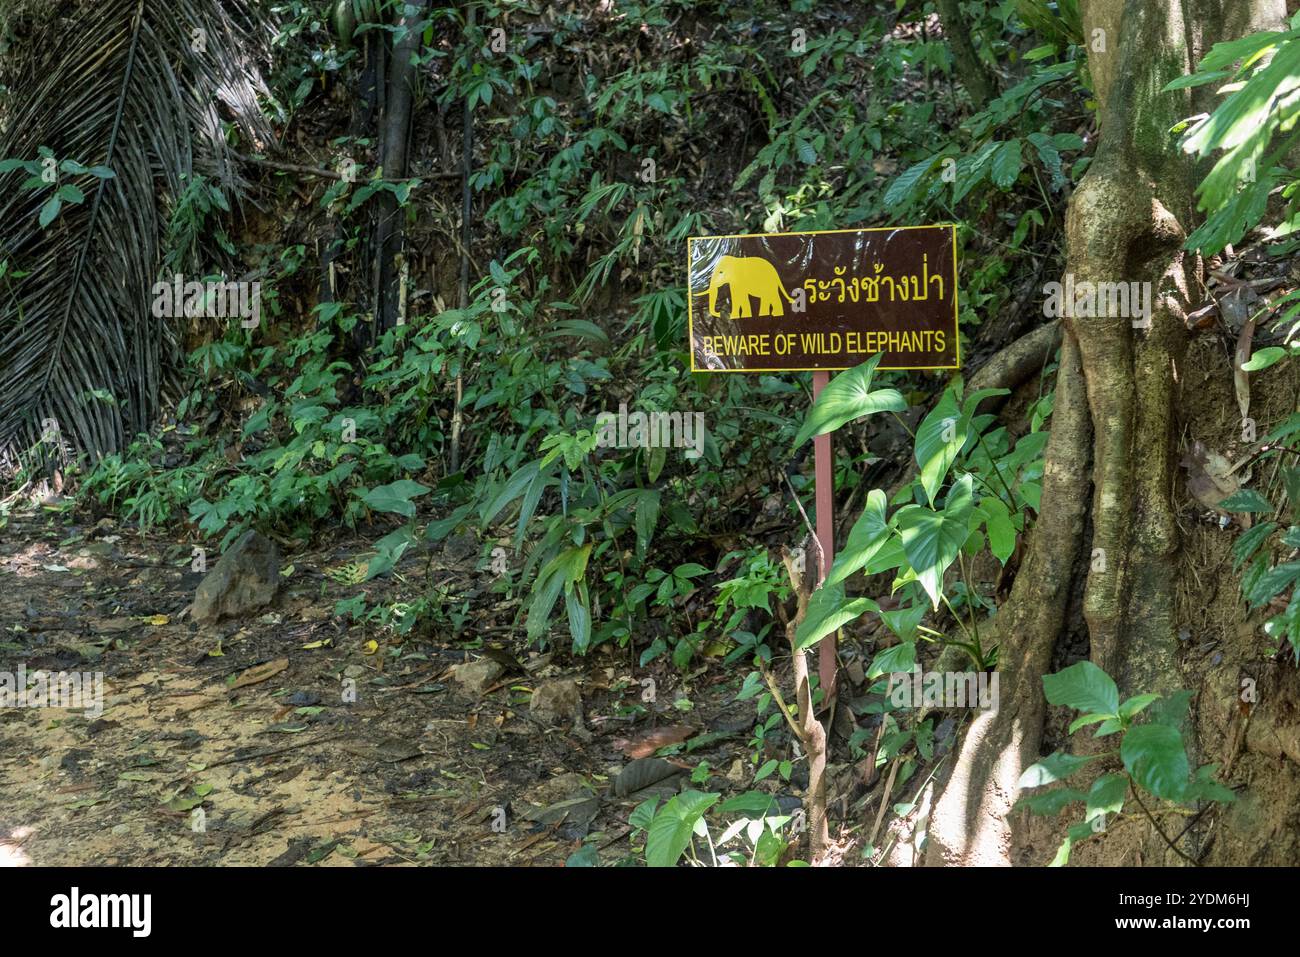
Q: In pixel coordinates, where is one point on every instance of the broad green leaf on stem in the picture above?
(932, 540)
(579, 617)
(1106, 796)
(1084, 687)
(828, 610)
(938, 440)
(869, 533)
(849, 397)
(896, 659)
(903, 622)
(647, 517)
(1000, 527)
(1056, 767)
(670, 831)
(1154, 755)
(1136, 704)
(395, 497)
(1050, 802)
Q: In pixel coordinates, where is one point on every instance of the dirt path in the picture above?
(182, 767)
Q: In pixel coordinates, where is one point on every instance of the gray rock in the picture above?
(556, 701)
(245, 579)
(477, 676)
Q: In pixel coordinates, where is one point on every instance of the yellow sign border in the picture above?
(956, 332)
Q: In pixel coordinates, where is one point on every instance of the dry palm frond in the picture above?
(144, 89)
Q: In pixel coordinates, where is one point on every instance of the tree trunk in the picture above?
(979, 81)
(397, 128)
(1126, 223)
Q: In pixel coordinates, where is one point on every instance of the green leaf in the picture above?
(938, 440)
(828, 610)
(647, 516)
(1247, 500)
(1084, 687)
(1154, 755)
(50, 210)
(575, 602)
(1000, 527)
(71, 194)
(932, 540)
(1264, 358)
(1249, 541)
(1136, 704)
(1049, 802)
(848, 397)
(670, 831)
(902, 188)
(395, 497)
(1057, 767)
(1007, 163)
(1205, 788)
(897, 659)
(1106, 796)
(869, 533)
(1270, 583)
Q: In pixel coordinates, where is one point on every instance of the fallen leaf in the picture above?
(259, 673)
(643, 746)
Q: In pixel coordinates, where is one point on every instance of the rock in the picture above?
(477, 676)
(245, 579)
(556, 701)
(459, 548)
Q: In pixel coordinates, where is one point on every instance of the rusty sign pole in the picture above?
(824, 493)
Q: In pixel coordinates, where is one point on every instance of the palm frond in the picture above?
(144, 89)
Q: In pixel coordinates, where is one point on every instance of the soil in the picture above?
(285, 770)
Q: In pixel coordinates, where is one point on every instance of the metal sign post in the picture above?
(824, 493)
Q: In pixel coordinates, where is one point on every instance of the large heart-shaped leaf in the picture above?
(829, 610)
(932, 539)
(670, 831)
(848, 397)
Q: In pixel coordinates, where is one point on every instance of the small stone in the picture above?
(556, 701)
(120, 829)
(477, 676)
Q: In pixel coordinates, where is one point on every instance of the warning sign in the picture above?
(784, 302)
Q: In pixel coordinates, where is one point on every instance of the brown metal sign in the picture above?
(786, 302)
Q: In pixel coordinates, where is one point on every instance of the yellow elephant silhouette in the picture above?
(747, 276)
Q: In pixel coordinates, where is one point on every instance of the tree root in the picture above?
(970, 822)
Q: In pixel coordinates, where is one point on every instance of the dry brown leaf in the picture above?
(643, 746)
(259, 673)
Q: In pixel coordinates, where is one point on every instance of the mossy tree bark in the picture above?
(1114, 422)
